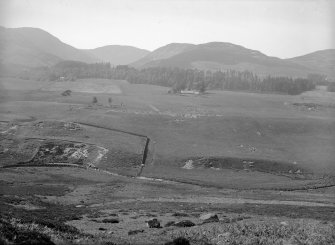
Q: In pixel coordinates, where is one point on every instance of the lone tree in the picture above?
(95, 100)
(201, 87)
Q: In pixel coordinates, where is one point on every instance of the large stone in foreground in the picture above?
(184, 223)
(209, 217)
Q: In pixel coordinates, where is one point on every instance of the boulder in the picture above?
(184, 223)
(178, 241)
(154, 223)
(112, 221)
(134, 232)
(209, 217)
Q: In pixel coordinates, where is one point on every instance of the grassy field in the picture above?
(218, 124)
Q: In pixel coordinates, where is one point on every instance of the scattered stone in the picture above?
(154, 223)
(170, 223)
(111, 221)
(284, 223)
(134, 232)
(209, 218)
(188, 164)
(178, 241)
(102, 229)
(184, 223)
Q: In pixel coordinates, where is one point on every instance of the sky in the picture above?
(282, 28)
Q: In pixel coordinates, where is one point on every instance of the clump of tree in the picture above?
(318, 79)
(193, 79)
(110, 101)
(177, 78)
(67, 93)
(331, 87)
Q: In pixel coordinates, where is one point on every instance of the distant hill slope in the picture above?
(118, 54)
(161, 53)
(223, 56)
(323, 61)
(35, 47)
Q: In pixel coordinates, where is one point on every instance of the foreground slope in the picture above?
(35, 47)
(118, 54)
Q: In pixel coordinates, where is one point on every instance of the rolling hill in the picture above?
(222, 56)
(161, 53)
(33, 47)
(118, 54)
(323, 61)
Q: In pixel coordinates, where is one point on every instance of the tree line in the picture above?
(176, 78)
(193, 79)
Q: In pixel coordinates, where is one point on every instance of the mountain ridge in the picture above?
(32, 47)
(223, 56)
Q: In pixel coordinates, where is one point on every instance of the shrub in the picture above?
(67, 93)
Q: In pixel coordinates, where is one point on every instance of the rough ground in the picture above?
(87, 206)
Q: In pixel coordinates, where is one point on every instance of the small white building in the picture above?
(189, 92)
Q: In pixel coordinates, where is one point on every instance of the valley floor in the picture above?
(261, 167)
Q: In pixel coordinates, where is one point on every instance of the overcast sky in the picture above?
(282, 28)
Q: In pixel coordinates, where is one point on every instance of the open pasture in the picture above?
(248, 158)
(217, 124)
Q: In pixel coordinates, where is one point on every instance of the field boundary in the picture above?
(145, 149)
(26, 163)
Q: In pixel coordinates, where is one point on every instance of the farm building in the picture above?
(189, 92)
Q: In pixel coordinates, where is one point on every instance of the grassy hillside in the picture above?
(35, 47)
(224, 56)
(161, 53)
(118, 54)
(323, 61)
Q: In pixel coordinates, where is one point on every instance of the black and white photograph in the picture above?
(167, 122)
